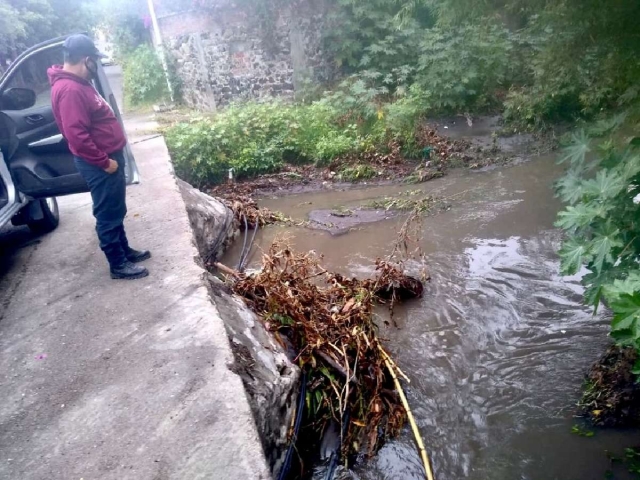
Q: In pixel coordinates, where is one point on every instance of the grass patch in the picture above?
(354, 173)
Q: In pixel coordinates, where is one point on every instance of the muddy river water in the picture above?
(497, 348)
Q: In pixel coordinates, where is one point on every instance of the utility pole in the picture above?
(157, 41)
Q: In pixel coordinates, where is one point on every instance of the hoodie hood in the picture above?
(56, 73)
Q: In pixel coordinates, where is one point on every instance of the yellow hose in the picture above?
(412, 421)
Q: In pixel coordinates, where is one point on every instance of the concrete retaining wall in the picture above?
(270, 379)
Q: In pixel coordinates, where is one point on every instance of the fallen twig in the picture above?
(337, 366)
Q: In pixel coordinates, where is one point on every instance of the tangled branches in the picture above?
(329, 321)
(244, 207)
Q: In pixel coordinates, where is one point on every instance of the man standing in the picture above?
(96, 139)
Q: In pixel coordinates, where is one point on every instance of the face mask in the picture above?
(92, 67)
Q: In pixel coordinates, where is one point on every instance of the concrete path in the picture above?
(104, 379)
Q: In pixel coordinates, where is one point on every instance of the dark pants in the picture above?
(108, 192)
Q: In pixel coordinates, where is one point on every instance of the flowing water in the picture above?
(497, 348)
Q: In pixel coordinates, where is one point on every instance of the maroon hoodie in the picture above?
(85, 119)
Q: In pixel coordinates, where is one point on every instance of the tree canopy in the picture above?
(24, 23)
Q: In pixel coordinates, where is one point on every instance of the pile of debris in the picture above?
(611, 396)
(445, 148)
(326, 321)
(248, 215)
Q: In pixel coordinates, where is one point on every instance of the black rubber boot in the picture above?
(136, 256)
(128, 271)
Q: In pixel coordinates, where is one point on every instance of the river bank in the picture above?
(452, 143)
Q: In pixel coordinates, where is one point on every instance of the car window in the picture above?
(32, 74)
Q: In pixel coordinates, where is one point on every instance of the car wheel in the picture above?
(50, 216)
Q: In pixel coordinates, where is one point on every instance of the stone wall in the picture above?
(231, 53)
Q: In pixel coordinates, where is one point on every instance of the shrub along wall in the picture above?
(144, 77)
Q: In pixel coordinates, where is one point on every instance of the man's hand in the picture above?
(112, 168)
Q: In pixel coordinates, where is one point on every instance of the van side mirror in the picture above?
(17, 99)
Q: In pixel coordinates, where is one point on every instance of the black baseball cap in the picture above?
(80, 45)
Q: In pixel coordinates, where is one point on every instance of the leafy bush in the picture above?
(332, 146)
(603, 229)
(144, 78)
(366, 35)
(127, 31)
(580, 57)
(538, 107)
(257, 138)
(462, 68)
(558, 60)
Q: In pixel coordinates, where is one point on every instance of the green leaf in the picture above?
(575, 217)
(573, 254)
(570, 187)
(598, 284)
(629, 95)
(577, 150)
(607, 184)
(608, 125)
(629, 166)
(626, 310)
(627, 286)
(604, 241)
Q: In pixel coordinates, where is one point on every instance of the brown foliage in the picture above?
(329, 321)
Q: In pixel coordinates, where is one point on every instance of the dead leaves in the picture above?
(329, 320)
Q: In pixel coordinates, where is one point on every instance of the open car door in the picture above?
(35, 153)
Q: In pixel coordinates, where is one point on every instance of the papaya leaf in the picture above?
(626, 310)
(575, 217)
(570, 187)
(627, 286)
(577, 150)
(602, 245)
(607, 184)
(629, 165)
(598, 284)
(573, 254)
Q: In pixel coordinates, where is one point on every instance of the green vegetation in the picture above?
(24, 23)
(602, 190)
(144, 78)
(629, 461)
(544, 61)
(353, 173)
(582, 431)
(539, 62)
(258, 138)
